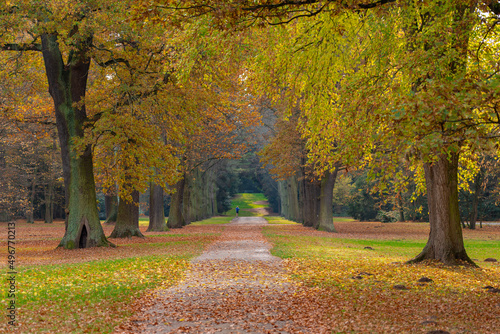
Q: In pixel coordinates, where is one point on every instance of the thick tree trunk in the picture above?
(127, 222)
(67, 86)
(311, 202)
(156, 211)
(445, 241)
(326, 202)
(187, 205)
(176, 218)
(111, 207)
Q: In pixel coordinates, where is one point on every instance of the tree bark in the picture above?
(311, 202)
(156, 211)
(127, 221)
(111, 205)
(67, 86)
(326, 202)
(445, 243)
(50, 191)
(176, 217)
(49, 202)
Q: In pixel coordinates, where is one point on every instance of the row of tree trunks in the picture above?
(307, 201)
(194, 199)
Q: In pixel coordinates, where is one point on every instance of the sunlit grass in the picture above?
(246, 201)
(278, 220)
(213, 221)
(95, 296)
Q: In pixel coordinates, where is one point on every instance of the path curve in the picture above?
(235, 286)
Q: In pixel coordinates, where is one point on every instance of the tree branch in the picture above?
(21, 47)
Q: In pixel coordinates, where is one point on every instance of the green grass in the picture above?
(213, 221)
(279, 220)
(93, 297)
(287, 246)
(246, 201)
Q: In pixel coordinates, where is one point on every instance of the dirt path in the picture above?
(235, 286)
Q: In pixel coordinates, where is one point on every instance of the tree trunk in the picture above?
(30, 210)
(111, 205)
(187, 206)
(50, 192)
(156, 211)
(176, 218)
(67, 86)
(127, 221)
(311, 202)
(49, 202)
(445, 241)
(401, 209)
(326, 202)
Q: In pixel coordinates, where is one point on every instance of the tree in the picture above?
(397, 81)
(156, 210)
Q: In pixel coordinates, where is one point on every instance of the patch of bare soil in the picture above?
(235, 286)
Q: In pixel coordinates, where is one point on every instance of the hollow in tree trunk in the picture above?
(445, 243)
(156, 211)
(127, 221)
(67, 86)
(326, 202)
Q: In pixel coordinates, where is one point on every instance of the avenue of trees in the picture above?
(397, 99)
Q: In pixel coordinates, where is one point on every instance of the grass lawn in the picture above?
(92, 290)
(249, 205)
(373, 291)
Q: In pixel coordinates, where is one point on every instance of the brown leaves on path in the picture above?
(227, 291)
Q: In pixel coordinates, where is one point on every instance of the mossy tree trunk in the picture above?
(67, 86)
(445, 243)
(156, 211)
(326, 202)
(127, 220)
